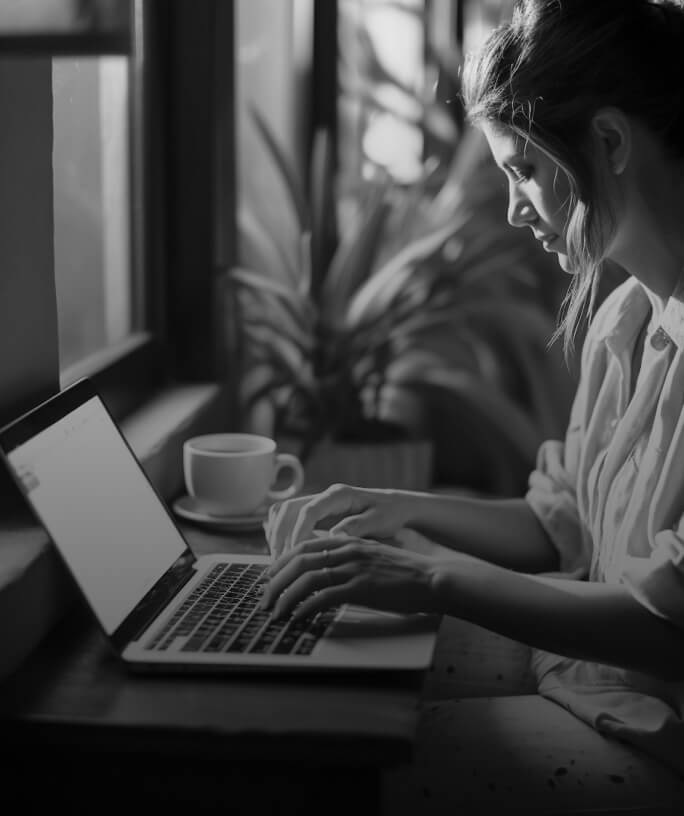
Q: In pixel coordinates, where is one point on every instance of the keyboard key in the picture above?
(222, 614)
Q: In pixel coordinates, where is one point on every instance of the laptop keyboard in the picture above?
(222, 615)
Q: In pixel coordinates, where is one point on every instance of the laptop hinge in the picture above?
(155, 600)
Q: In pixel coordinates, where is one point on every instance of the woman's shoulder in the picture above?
(615, 308)
(614, 304)
(625, 302)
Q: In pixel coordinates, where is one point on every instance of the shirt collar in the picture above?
(633, 311)
(672, 318)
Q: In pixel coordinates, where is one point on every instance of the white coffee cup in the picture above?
(235, 473)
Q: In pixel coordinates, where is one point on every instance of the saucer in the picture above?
(189, 508)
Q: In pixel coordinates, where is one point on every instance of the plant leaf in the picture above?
(463, 177)
(284, 357)
(528, 330)
(259, 250)
(305, 264)
(416, 325)
(383, 286)
(259, 284)
(440, 124)
(285, 166)
(261, 342)
(271, 327)
(500, 410)
(352, 262)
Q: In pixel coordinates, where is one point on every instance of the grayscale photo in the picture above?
(342, 407)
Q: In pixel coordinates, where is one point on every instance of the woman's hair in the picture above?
(545, 73)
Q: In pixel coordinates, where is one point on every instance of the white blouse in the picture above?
(611, 498)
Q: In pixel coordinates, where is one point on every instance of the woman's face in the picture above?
(538, 190)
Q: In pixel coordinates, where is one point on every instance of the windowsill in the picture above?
(34, 589)
(157, 430)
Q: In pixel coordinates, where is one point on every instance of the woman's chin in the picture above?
(564, 263)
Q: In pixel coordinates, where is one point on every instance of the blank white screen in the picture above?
(100, 510)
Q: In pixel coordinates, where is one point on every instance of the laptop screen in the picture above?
(96, 503)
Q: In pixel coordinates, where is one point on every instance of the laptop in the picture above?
(159, 606)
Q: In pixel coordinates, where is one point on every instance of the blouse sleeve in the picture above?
(552, 489)
(552, 496)
(657, 581)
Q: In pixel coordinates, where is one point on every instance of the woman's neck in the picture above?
(649, 241)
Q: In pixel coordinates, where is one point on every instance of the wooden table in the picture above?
(78, 730)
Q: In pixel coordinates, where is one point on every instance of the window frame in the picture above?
(129, 372)
(107, 31)
(185, 231)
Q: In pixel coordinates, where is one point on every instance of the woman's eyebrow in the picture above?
(516, 159)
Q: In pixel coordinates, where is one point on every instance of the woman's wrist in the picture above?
(449, 582)
(414, 507)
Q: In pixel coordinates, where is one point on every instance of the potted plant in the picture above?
(422, 296)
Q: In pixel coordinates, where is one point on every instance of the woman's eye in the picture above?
(522, 174)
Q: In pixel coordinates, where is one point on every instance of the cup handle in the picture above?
(287, 460)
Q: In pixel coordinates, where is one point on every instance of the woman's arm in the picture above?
(588, 621)
(502, 531)
(585, 620)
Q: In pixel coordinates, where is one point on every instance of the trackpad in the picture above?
(361, 622)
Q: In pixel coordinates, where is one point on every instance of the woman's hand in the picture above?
(352, 510)
(331, 570)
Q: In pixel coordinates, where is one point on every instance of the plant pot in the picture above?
(402, 464)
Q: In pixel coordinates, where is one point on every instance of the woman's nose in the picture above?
(520, 212)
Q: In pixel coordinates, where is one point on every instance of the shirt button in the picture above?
(660, 339)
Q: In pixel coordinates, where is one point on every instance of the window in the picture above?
(92, 205)
(127, 232)
(70, 81)
(273, 59)
(382, 78)
(48, 25)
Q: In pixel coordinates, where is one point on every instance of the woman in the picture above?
(581, 104)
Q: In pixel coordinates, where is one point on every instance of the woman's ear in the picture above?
(613, 133)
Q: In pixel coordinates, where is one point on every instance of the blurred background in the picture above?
(284, 197)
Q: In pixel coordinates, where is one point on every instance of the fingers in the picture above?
(302, 596)
(318, 602)
(311, 569)
(296, 519)
(278, 528)
(335, 500)
(357, 525)
(316, 552)
(313, 592)
(329, 571)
